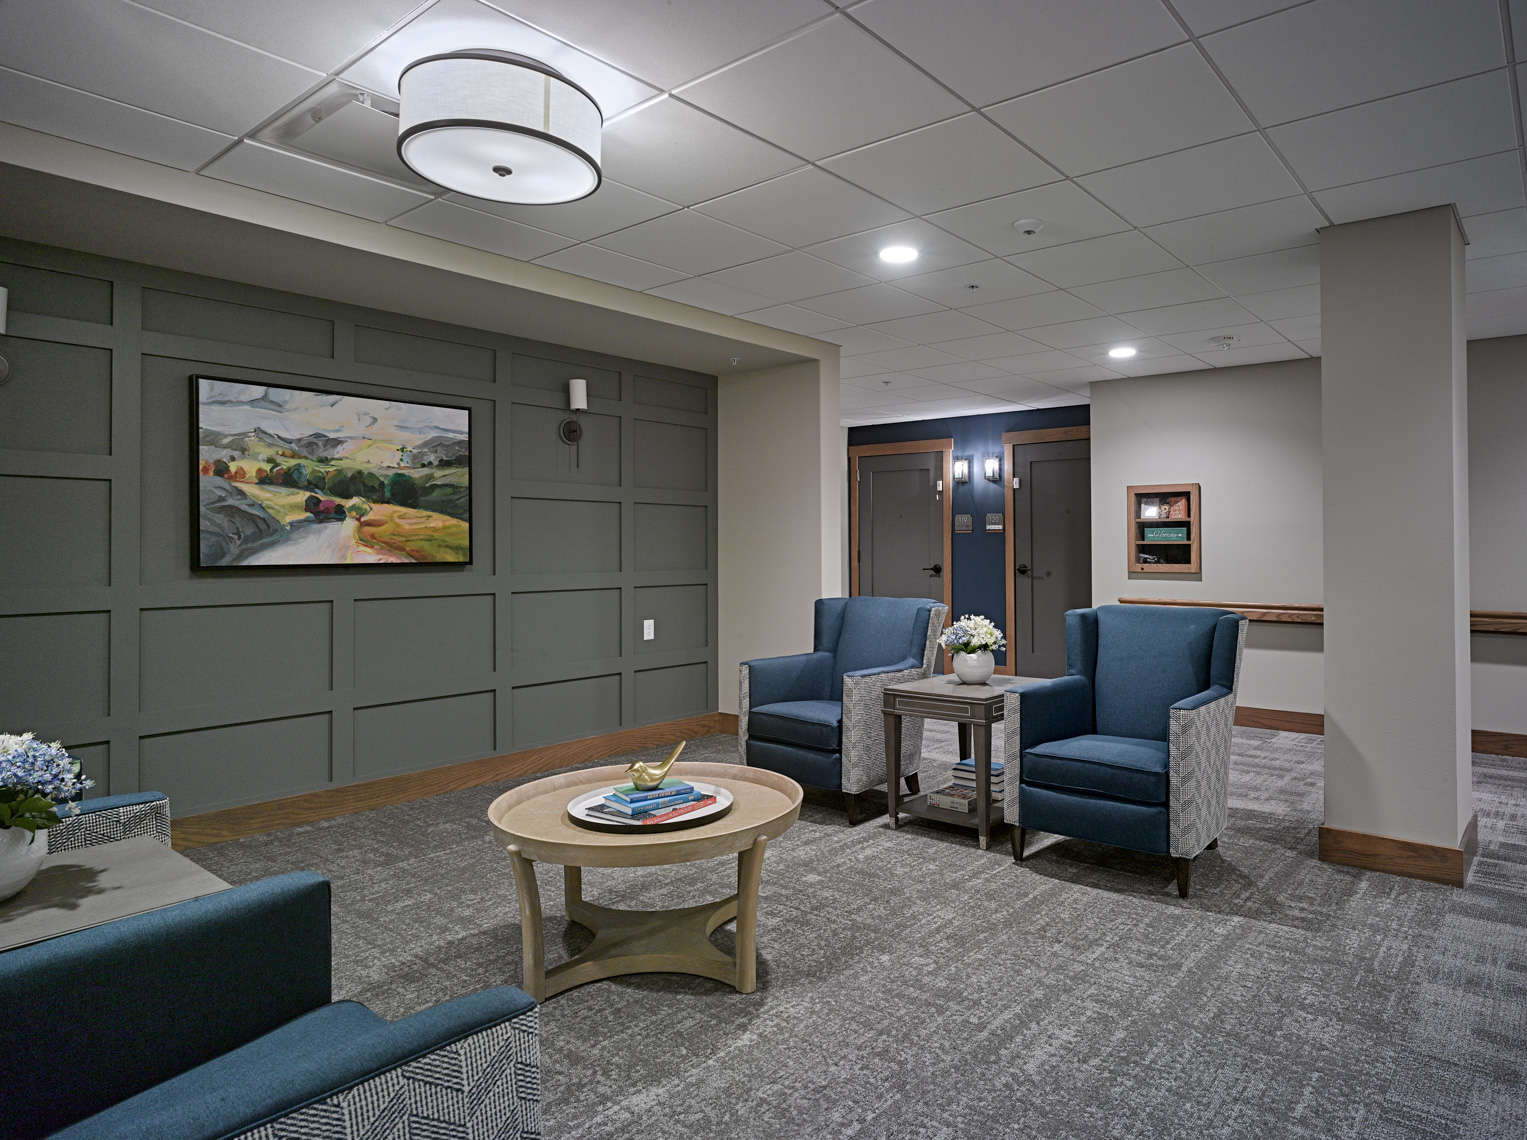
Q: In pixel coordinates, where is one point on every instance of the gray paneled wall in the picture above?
(228, 688)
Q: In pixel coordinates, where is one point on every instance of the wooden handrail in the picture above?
(1306, 613)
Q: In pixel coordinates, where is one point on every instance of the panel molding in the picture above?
(1432, 862)
(330, 803)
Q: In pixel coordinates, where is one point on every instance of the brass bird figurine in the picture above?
(649, 776)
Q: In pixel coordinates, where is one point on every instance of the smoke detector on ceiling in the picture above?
(1222, 342)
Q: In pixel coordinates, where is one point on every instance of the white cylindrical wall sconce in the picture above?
(578, 394)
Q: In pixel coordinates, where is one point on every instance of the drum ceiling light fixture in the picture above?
(496, 125)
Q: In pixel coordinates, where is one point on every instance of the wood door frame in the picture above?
(911, 447)
(1010, 440)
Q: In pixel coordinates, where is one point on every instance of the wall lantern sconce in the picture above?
(570, 430)
(5, 365)
(994, 468)
(962, 471)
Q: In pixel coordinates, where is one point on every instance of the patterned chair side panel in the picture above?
(1012, 757)
(1198, 806)
(864, 720)
(111, 825)
(483, 1087)
(742, 715)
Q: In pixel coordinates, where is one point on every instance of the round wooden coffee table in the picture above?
(531, 823)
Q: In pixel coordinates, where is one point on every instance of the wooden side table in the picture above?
(975, 708)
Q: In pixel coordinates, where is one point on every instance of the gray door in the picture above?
(1052, 551)
(901, 525)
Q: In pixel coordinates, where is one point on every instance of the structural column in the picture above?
(1398, 789)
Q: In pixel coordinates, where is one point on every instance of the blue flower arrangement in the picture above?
(972, 634)
(35, 778)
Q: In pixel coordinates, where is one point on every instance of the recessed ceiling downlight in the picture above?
(1123, 352)
(898, 254)
(499, 126)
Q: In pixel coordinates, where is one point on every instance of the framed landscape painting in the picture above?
(303, 477)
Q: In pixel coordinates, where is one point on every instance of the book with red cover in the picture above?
(655, 817)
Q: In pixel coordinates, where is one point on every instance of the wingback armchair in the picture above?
(213, 1018)
(816, 717)
(1132, 746)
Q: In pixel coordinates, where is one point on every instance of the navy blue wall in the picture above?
(980, 563)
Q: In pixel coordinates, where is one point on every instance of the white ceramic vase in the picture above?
(974, 668)
(19, 859)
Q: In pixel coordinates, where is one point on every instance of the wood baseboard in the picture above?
(1446, 865)
(727, 723)
(1500, 743)
(255, 819)
(1281, 720)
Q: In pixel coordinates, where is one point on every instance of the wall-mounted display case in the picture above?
(1164, 521)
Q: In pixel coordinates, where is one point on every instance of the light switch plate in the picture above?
(649, 629)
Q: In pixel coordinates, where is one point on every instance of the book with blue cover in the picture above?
(631, 794)
(969, 765)
(646, 807)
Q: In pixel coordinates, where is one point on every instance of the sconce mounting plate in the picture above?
(571, 431)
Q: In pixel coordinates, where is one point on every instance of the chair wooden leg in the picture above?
(913, 786)
(1213, 843)
(1184, 870)
(1016, 835)
(851, 806)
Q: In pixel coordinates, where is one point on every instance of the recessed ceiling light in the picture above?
(1123, 352)
(898, 254)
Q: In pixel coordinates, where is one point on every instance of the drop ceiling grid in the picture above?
(1138, 250)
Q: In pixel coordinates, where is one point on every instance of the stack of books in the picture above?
(669, 800)
(961, 795)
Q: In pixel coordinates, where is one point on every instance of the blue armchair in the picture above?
(1132, 746)
(816, 717)
(213, 1018)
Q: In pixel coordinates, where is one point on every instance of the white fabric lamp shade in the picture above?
(499, 126)
(578, 394)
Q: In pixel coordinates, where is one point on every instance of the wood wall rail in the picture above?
(1480, 621)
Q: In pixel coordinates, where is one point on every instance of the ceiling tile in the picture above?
(1032, 363)
(1016, 388)
(708, 293)
(928, 391)
(1311, 346)
(791, 276)
(805, 206)
(308, 180)
(1205, 16)
(935, 250)
(979, 283)
(1478, 186)
(851, 368)
(1146, 348)
(1041, 309)
(1060, 400)
(43, 106)
(1077, 379)
(1278, 304)
(991, 347)
(1501, 303)
(948, 164)
(690, 242)
(1454, 121)
(994, 49)
(1352, 51)
(914, 356)
(1158, 365)
(891, 383)
(1163, 102)
(868, 400)
(148, 60)
(1128, 254)
(1253, 354)
(1073, 334)
(614, 268)
(1504, 231)
(1216, 176)
(1281, 270)
(1149, 291)
(1186, 318)
(794, 319)
(1298, 328)
(869, 304)
(353, 134)
(481, 231)
(320, 36)
(1262, 228)
(1201, 343)
(667, 42)
(453, 24)
(858, 341)
(961, 373)
(670, 149)
(1487, 327)
(612, 207)
(826, 90)
(1506, 272)
(1068, 212)
(930, 328)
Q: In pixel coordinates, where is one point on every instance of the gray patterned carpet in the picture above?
(911, 985)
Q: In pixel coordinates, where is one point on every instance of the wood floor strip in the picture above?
(255, 819)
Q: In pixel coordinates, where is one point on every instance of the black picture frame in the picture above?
(308, 567)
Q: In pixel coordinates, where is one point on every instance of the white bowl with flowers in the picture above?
(970, 643)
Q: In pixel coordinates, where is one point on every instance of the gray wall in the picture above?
(224, 688)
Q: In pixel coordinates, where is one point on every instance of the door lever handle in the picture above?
(937, 568)
(1022, 568)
